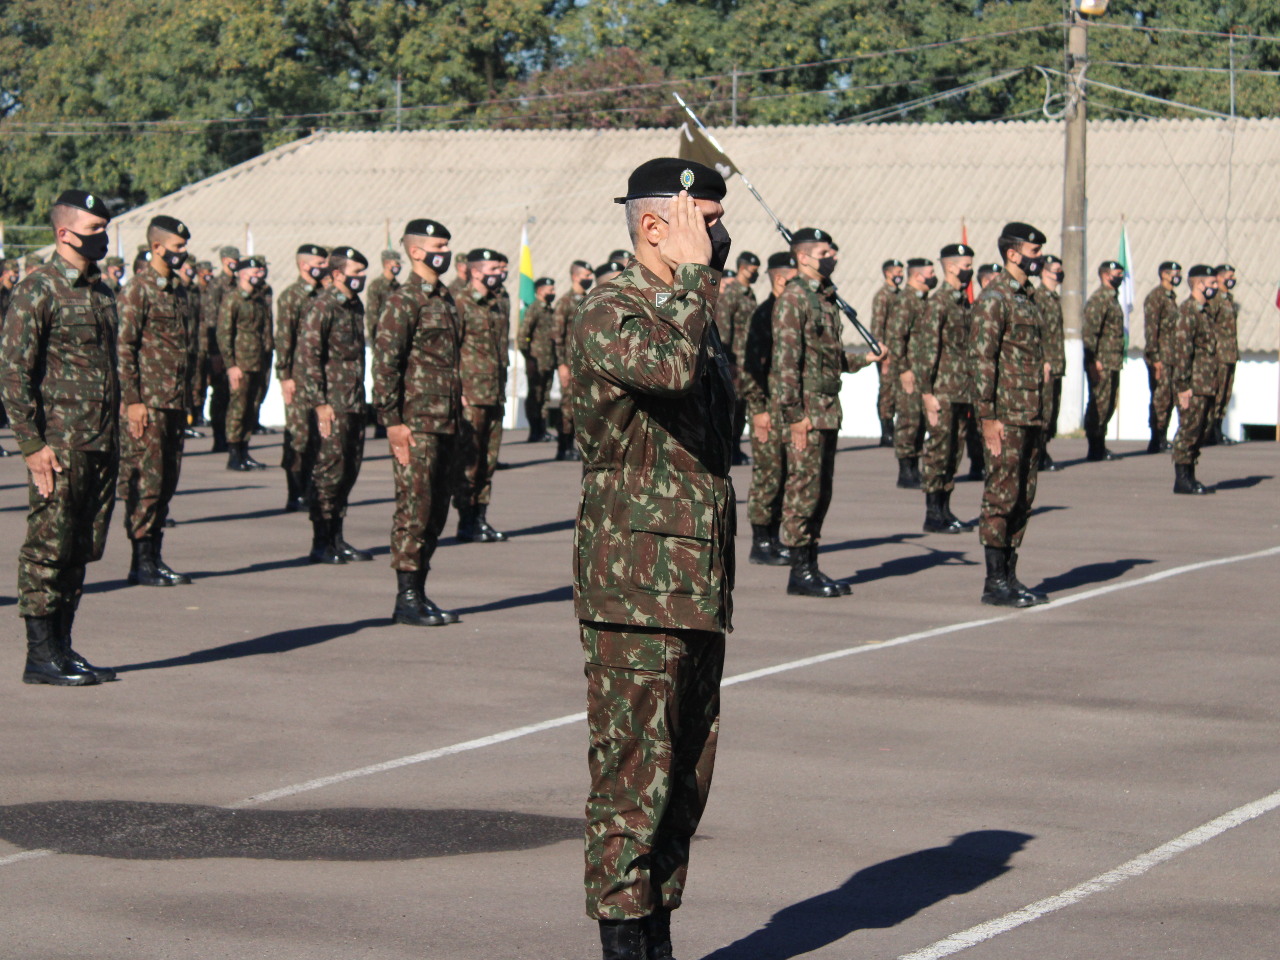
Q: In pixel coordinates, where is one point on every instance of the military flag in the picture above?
(526, 270)
(695, 145)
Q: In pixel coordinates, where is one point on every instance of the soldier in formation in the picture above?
(906, 314)
(733, 317)
(8, 280)
(298, 448)
(893, 273)
(244, 344)
(1159, 318)
(1053, 341)
(581, 276)
(219, 386)
(1223, 311)
(1103, 357)
(534, 341)
(1196, 375)
(113, 273)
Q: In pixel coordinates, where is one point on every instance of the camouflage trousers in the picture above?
(1193, 426)
(539, 381)
(1104, 391)
(908, 424)
(219, 400)
(944, 447)
(768, 474)
(807, 495)
(260, 394)
(887, 395)
(337, 464)
(149, 469)
(65, 532)
(653, 713)
(478, 443)
(1011, 488)
(298, 449)
(422, 500)
(242, 406)
(1226, 383)
(566, 407)
(1161, 408)
(1050, 406)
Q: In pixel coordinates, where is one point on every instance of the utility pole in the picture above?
(733, 117)
(1074, 223)
(1231, 62)
(399, 87)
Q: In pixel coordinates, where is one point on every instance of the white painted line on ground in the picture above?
(25, 855)
(1103, 881)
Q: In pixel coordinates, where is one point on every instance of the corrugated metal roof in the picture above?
(1191, 190)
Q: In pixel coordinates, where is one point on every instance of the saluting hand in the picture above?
(43, 464)
(401, 439)
(687, 240)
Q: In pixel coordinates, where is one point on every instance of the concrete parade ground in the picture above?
(281, 773)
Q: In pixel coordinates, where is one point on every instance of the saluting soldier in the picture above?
(483, 363)
(941, 364)
(1195, 371)
(1159, 318)
(905, 315)
(1053, 341)
(1009, 380)
(113, 273)
(653, 573)
(733, 318)
(312, 261)
(808, 359)
(60, 385)
(534, 342)
(244, 341)
(581, 276)
(417, 392)
(893, 272)
(768, 440)
(1223, 310)
(328, 367)
(1103, 357)
(158, 347)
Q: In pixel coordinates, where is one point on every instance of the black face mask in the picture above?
(586, 283)
(720, 244)
(1210, 292)
(175, 259)
(548, 298)
(255, 281)
(492, 280)
(439, 262)
(395, 271)
(826, 267)
(753, 276)
(897, 281)
(316, 272)
(92, 246)
(355, 284)
(965, 277)
(1057, 277)
(930, 282)
(1031, 266)
(1114, 282)
(1175, 280)
(1229, 284)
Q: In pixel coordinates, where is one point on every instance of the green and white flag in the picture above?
(1125, 259)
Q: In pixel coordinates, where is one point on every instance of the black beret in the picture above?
(956, 250)
(82, 200)
(667, 176)
(350, 253)
(1109, 265)
(482, 253)
(1201, 270)
(779, 261)
(890, 264)
(501, 257)
(613, 266)
(1224, 268)
(171, 225)
(810, 235)
(1173, 265)
(731, 275)
(253, 260)
(312, 250)
(1022, 231)
(916, 262)
(427, 228)
(619, 256)
(748, 257)
(989, 268)
(1050, 259)
(544, 282)
(581, 264)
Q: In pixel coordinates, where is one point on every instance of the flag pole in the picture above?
(848, 310)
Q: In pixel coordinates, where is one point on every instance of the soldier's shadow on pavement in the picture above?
(1242, 483)
(554, 595)
(865, 544)
(906, 566)
(266, 566)
(1089, 573)
(282, 641)
(137, 830)
(882, 895)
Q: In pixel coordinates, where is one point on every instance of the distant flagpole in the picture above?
(1, 239)
(1125, 259)
(964, 238)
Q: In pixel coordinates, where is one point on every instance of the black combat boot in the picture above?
(842, 588)
(467, 531)
(1098, 451)
(1011, 570)
(294, 500)
(740, 459)
(247, 458)
(220, 444)
(487, 533)
(322, 548)
(143, 570)
(1157, 441)
(622, 939)
(781, 552)
(657, 935)
(935, 519)
(946, 511)
(66, 619)
(997, 590)
(1221, 434)
(409, 607)
(1184, 480)
(47, 662)
(1047, 463)
(886, 431)
(805, 580)
(907, 478)
(343, 549)
(761, 546)
(448, 616)
(173, 576)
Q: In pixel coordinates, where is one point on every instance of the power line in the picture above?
(1173, 66)
(872, 116)
(1193, 33)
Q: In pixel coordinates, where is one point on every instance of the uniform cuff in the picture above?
(697, 278)
(984, 410)
(34, 445)
(390, 418)
(791, 412)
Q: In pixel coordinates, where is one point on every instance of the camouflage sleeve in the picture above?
(879, 314)
(26, 327)
(755, 365)
(528, 325)
(1152, 311)
(926, 345)
(1094, 311)
(132, 312)
(226, 335)
(390, 353)
(285, 335)
(622, 340)
(896, 329)
(268, 331)
(855, 360)
(1182, 352)
(309, 356)
(725, 318)
(786, 378)
(989, 324)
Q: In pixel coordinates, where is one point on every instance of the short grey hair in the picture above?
(638, 208)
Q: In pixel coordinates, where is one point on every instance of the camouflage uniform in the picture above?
(483, 363)
(1053, 342)
(906, 313)
(1159, 317)
(1196, 365)
(263, 383)
(328, 365)
(880, 304)
(219, 389)
(768, 458)
(61, 389)
(808, 359)
(158, 347)
(380, 289)
(1008, 384)
(1222, 308)
(298, 447)
(941, 358)
(416, 383)
(733, 318)
(1104, 342)
(564, 311)
(200, 374)
(534, 340)
(653, 574)
(244, 341)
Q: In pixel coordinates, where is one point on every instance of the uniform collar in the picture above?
(90, 274)
(1005, 279)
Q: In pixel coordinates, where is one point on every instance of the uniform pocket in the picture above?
(671, 545)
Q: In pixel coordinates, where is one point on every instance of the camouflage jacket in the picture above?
(1194, 352)
(808, 356)
(1159, 317)
(483, 351)
(1222, 308)
(534, 337)
(159, 341)
(653, 410)
(942, 345)
(565, 309)
(292, 306)
(757, 359)
(457, 287)
(210, 300)
(328, 363)
(1008, 371)
(880, 304)
(374, 300)
(733, 317)
(415, 360)
(195, 298)
(906, 313)
(244, 329)
(59, 380)
(1104, 329)
(5, 296)
(1052, 337)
